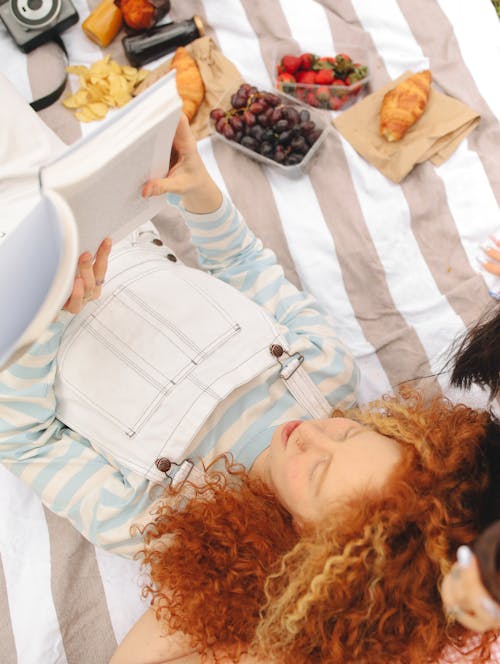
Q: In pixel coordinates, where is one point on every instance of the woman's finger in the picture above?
(465, 598)
(87, 274)
(492, 252)
(492, 268)
(184, 139)
(156, 187)
(101, 264)
(75, 302)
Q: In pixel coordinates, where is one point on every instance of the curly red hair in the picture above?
(362, 585)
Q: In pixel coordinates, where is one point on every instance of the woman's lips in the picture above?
(288, 429)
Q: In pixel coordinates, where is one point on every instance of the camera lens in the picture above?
(34, 14)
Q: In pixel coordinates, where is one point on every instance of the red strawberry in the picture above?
(335, 103)
(287, 78)
(324, 63)
(301, 93)
(324, 77)
(290, 63)
(286, 82)
(279, 70)
(307, 60)
(339, 84)
(311, 99)
(306, 77)
(359, 72)
(323, 95)
(343, 64)
(346, 57)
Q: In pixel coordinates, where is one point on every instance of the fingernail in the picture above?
(464, 556)
(486, 247)
(491, 607)
(481, 261)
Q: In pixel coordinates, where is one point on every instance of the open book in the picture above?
(91, 191)
(101, 176)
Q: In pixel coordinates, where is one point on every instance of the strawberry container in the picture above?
(324, 81)
(298, 133)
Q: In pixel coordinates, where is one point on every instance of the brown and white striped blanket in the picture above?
(395, 264)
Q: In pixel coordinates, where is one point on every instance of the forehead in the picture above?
(365, 460)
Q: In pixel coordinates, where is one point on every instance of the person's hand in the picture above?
(187, 175)
(464, 597)
(89, 278)
(492, 266)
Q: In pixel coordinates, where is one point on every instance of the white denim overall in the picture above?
(143, 367)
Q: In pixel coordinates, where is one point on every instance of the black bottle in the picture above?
(161, 40)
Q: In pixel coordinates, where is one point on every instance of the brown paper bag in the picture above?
(435, 136)
(218, 74)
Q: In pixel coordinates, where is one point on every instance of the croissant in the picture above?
(404, 105)
(189, 82)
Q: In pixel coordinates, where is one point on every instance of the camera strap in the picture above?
(48, 100)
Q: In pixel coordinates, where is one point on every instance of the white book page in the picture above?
(101, 177)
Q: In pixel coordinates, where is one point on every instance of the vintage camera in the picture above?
(32, 23)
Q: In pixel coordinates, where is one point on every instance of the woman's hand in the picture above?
(89, 278)
(464, 597)
(492, 266)
(187, 175)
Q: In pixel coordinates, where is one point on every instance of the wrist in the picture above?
(204, 196)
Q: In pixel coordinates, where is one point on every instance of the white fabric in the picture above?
(168, 343)
(469, 196)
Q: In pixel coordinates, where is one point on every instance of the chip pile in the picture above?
(103, 85)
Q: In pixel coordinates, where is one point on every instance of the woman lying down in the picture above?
(317, 538)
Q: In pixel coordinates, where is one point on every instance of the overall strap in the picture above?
(299, 384)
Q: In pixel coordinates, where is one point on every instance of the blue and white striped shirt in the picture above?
(101, 498)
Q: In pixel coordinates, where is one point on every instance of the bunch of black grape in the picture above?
(259, 121)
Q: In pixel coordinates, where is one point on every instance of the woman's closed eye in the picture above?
(351, 431)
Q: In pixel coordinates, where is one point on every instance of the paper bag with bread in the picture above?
(203, 73)
(405, 123)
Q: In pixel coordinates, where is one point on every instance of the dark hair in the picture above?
(489, 505)
(477, 356)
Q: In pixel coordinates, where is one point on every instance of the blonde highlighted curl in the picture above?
(360, 587)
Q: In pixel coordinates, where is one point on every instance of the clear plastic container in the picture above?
(327, 97)
(320, 119)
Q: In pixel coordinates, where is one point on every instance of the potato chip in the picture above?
(98, 108)
(75, 101)
(129, 72)
(103, 85)
(76, 69)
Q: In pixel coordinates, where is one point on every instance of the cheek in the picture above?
(290, 477)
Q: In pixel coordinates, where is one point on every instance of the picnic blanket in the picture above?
(395, 264)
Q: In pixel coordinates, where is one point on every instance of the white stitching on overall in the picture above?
(141, 369)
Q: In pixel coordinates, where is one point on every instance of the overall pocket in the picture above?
(141, 343)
